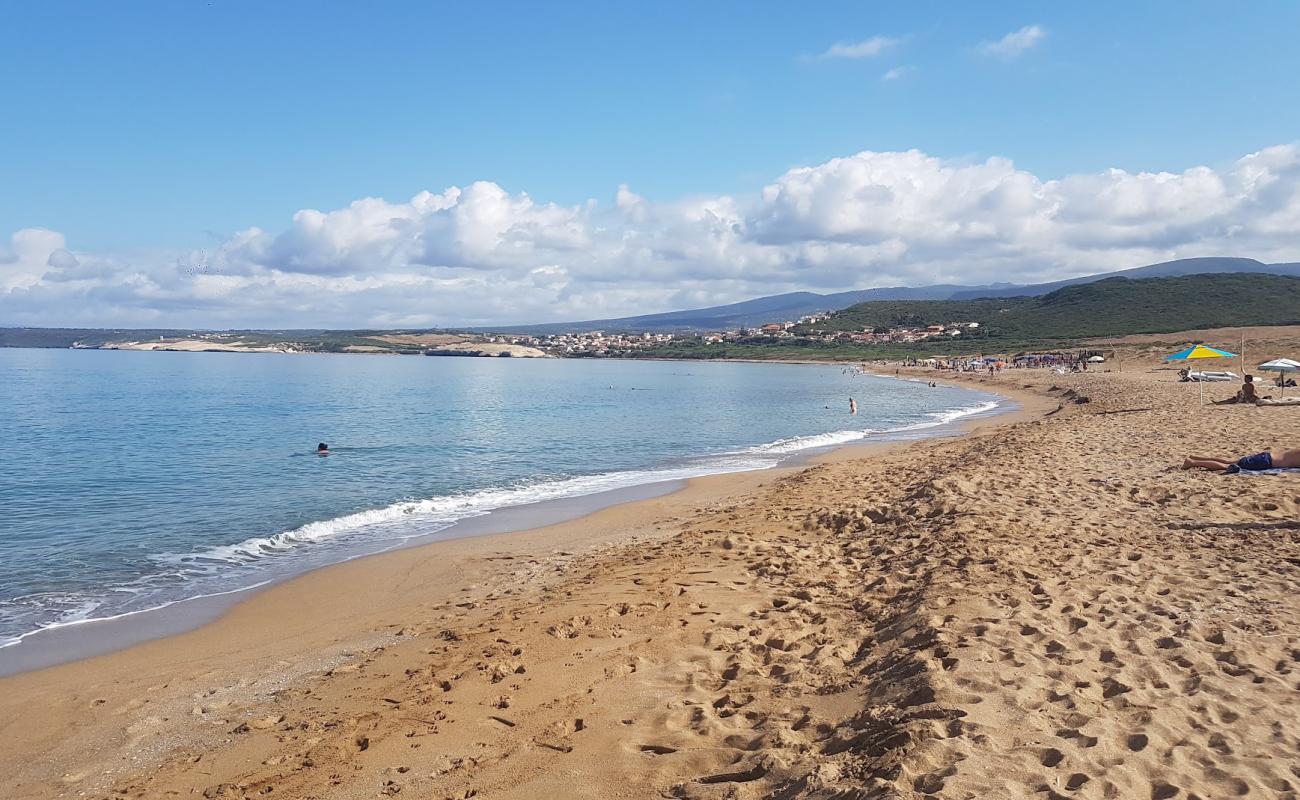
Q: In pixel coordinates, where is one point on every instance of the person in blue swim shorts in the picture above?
(1288, 459)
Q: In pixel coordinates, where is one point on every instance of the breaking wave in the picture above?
(257, 561)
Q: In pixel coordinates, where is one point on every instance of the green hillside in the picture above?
(1113, 307)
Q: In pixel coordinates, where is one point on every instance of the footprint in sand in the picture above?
(1163, 791)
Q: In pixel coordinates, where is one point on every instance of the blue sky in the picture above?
(149, 124)
(419, 164)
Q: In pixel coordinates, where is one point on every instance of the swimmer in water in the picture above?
(853, 407)
(322, 449)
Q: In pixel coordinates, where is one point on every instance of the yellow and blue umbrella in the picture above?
(1199, 351)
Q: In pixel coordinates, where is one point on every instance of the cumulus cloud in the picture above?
(895, 73)
(1014, 44)
(482, 254)
(28, 256)
(867, 48)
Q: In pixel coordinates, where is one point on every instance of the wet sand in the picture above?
(1045, 606)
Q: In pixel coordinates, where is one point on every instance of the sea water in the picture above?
(134, 480)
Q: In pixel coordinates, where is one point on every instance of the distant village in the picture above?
(598, 344)
(591, 344)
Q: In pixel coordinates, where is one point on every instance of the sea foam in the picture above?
(256, 561)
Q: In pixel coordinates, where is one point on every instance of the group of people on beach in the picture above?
(1248, 392)
(1259, 462)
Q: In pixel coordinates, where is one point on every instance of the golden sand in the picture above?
(1046, 607)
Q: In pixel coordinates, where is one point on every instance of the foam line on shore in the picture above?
(452, 508)
(378, 529)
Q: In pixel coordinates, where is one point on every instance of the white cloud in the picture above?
(482, 255)
(28, 256)
(1014, 44)
(896, 73)
(867, 48)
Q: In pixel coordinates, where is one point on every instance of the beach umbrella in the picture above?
(1196, 352)
(1281, 366)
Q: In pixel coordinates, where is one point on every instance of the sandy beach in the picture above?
(1044, 607)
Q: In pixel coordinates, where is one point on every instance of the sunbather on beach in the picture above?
(1288, 459)
(1246, 394)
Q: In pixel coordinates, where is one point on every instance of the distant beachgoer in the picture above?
(853, 406)
(1246, 394)
(322, 449)
(1289, 459)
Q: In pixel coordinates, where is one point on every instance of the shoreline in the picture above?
(80, 640)
(318, 623)
(1046, 600)
(1047, 604)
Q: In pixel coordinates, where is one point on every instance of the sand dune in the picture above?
(1049, 609)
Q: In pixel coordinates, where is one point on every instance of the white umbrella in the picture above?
(1281, 365)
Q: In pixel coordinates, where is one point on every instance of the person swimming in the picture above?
(322, 449)
(853, 406)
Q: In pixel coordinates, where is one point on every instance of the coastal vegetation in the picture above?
(1113, 307)
(1058, 320)
(794, 305)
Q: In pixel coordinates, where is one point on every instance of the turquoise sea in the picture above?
(133, 480)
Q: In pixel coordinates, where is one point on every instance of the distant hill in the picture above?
(1108, 307)
(1167, 269)
(791, 306)
(746, 313)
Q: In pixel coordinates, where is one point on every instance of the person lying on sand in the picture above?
(1289, 459)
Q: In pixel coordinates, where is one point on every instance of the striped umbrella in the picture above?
(1198, 351)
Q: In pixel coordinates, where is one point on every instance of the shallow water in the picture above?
(132, 480)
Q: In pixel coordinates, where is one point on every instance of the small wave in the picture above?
(952, 415)
(794, 444)
(436, 513)
(82, 617)
(441, 512)
(374, 529)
